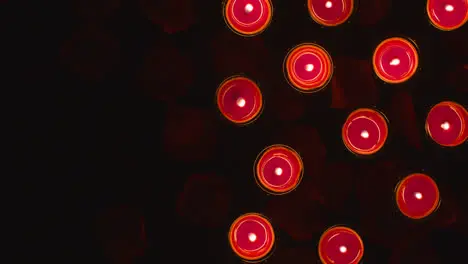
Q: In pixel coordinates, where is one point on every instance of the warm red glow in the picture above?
(330, 12)
(248, 17)
(446, 124)
(447, 15)
(340, 245)
(308, 67)
(417, 196)
(251, 237)
(239, 100)
(395, 60)
(278, 169)
(365, 131)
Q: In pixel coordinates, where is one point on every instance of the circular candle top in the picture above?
(446, 124)
(330, 12)
(365, 131)
(279, 169)
(251, 237)
(417, 196)
(395, 60)
(248, 17)
(239, 99)
(447, 14)
(340, 245)
(308, 67)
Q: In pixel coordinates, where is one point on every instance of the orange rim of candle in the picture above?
(439, 26)
(344, 228)
(456, 108)
(226, 9)
(320, 21)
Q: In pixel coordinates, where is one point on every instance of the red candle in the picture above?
(417, 196)
(248, 17)
(330, 12)
(365, 131)
(447, 14)
(251, 237)
(340, 245)
(308, 67)
(239, 100)
(279, 169)
(395, 60)
(446, 124)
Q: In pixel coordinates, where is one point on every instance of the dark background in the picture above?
(124, 158)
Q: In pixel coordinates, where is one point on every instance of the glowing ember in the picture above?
(418, 195)
(248, 8)
(240, 102)
(252, 237)
(449, 8)
(278, 171)
(445, 126)
(343, 249)
(365, 134)
(309, 67)
(395, 62)
(328, 4)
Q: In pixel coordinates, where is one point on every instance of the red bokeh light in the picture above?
(278, 169)
(395, 60)
(248, 17)
(251, 237)
(447, 14)
(446, 124)
(340, 245)
(365, 131)
(239, 100)
(308, 67)
(417, 196)
(330, 12)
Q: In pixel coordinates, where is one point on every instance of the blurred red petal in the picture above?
(172, 15)
(91, 53)
(235, 54)
(189, 134)
(403, 116)
(205, 200)
(371, 12)
(355, 78)
(122, 234)
(167, 73)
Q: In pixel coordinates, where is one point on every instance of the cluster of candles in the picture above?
(308, 68)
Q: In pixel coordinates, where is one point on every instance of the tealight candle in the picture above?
(417, 196)
(395, 60)
(278, 169)
(239, 100)
(446, 124)
(447, 14)
(330, 12)
(251, 237)
(365, 131)
(308, 67)
(340, 245)
(248, 17)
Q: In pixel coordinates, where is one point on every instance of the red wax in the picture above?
(251, 237)
(308, 67)
(446, 124)
(279, 169)
(447, 14)
(239, 100)
(365, 131)
(248, 17)
(330, 12)
(417, 196)
(340, 245)
(395, 60)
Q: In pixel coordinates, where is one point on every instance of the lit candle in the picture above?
(365, 131)
(446, 124)
(251, 237)
(395, 60)
(417, 196)
(248, 19)
(330, 12)
(340, 245)
(278, 169)
(239, 100)
(453, 15)
(308, 67)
